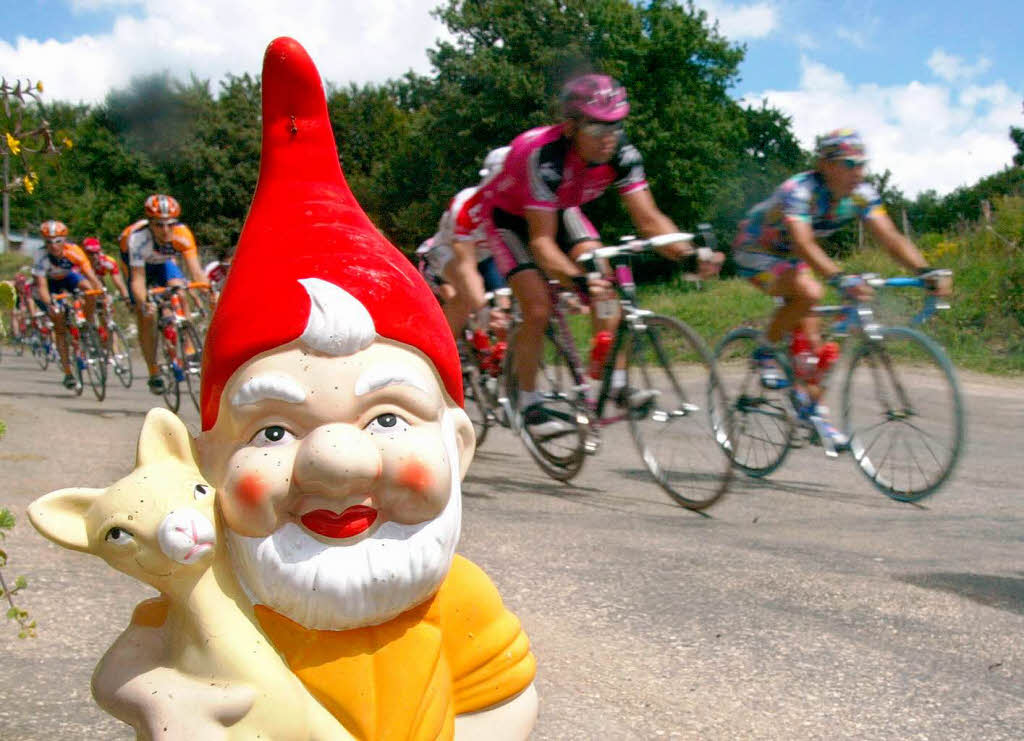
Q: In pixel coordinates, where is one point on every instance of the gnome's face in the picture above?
(339, 480)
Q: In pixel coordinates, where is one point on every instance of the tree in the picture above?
(26, 135)
(1017, 136)
(505, 66)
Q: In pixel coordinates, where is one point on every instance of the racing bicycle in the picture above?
(901, 406)
(680, 429)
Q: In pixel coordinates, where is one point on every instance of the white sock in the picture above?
(618, 378)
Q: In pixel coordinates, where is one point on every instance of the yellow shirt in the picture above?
(408, 678)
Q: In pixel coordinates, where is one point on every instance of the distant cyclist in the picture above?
(216, 273)
(459, 253)
(778, 250)
(532, 230)
(148, 248)
(104, 265)
(60, 266)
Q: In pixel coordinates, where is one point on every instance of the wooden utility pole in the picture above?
(6, 245)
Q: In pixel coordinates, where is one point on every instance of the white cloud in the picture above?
(951, 68)
(929, 135)
(854, 37)
(806, 41)
(737, 22)
(350, 41)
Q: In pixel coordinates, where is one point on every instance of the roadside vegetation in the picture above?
(407, 145)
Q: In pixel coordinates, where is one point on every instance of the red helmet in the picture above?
(91, 244)
(598, 97)
(162, 207)
(52, 229)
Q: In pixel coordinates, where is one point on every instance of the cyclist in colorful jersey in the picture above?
(551, 169)
(61, 266)
(104, 265)
(778, 250)
(148, 249)
(459, 253)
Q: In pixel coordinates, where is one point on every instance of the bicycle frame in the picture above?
(617, 268)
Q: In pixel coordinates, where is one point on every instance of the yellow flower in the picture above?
(39, 86)
(29, 185)
(68, 144)
(13, 144)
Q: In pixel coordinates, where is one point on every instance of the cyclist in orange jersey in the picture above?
(148, 249)
(61, 266)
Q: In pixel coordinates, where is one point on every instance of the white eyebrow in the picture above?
(269, 386)
(381, 376)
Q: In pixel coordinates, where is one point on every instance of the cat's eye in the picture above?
(119, 536)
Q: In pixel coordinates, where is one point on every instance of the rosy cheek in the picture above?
(416, 476)
(250, 490)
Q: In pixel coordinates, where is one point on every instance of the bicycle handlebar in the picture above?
(932, 303)
(630, 244)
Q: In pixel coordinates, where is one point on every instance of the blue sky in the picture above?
(933, 86)
(885, 42)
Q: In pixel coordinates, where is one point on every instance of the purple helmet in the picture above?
(598, 97)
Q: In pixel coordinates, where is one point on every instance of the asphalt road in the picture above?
(807, 606)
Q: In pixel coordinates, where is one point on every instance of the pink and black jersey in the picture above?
(543, 171)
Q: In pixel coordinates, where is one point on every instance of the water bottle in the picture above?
(828, 354)
(599, 352)
(805, 361)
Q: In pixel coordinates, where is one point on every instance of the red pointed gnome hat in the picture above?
(305, 223)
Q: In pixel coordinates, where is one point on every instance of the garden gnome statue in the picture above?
(304, 544)
(334, 436)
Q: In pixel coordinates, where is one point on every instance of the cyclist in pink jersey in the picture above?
(548, 170)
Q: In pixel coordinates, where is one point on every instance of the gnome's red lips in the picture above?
(352, 521)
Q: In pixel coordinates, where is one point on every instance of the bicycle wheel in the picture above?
(682, 433)
(95, 357)
(120, 356)
(43, 349)
(760, 419)
(198, 306)
(559, 452)
(191, 359)
(475, 402)
(20, 341)
(78, 363)
(168, 371)
(903, 412)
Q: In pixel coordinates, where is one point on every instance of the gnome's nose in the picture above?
(337, 459)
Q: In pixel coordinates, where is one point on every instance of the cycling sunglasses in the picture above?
(54, 240)
(599, 129)
(852, 164)
(163, 222)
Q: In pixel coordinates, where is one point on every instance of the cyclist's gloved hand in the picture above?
(709, 262)
(591, 288)
(937, 280)
(853, 287)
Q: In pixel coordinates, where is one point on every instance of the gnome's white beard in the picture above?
(340, 587)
